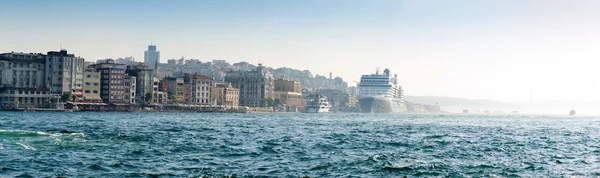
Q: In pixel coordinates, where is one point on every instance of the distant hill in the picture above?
(454, 104)
(443, 100)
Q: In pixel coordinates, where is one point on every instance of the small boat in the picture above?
(572, 113)
(465, 111)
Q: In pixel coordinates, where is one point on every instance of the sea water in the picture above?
(119, 144)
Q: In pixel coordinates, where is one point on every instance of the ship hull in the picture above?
(316, 110)
(381, 105)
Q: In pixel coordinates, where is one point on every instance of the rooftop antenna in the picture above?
(377, 70)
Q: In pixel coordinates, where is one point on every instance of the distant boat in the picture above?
(465, 111)
(318, 104)
(572, 113)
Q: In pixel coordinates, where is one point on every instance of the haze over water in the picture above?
(115, 144)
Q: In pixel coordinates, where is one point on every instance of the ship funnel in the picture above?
(386, 72)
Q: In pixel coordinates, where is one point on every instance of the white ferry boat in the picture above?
(380, 93)
(317, 104)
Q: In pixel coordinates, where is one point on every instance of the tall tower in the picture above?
(151, 56)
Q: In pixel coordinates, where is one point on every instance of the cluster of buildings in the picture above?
(36, 80)
(33, 78)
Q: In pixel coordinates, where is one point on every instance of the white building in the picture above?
(199, 88)
(22, 80)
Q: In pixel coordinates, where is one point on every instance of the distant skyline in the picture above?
(498, 50)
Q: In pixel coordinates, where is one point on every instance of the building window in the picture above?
(87, 91)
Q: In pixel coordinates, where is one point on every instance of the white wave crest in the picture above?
(25, 146)
(16, 132)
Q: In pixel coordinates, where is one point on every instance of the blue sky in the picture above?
(465, 48)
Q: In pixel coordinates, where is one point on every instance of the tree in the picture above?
(173, 99)
(74, 97)
(148, 96)
(53, 100)
(270, 102)
(66, 97)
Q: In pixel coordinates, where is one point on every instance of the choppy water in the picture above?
(326, 145)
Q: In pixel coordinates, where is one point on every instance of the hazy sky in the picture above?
(484, 49)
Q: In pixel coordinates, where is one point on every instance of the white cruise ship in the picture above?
(317, 104)
(380, 93)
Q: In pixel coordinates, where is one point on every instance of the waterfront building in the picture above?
(161, 97)
(129, 90)
(226, 95)
(288, 92)
(64, 73)
(22, 80)
(112, 86)
(163, 85)
(291, 99)
(200, 89)
(151, 56)
(287, 85)
(256, 86)
(175, 87)
(91, 85)
(144, 81)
